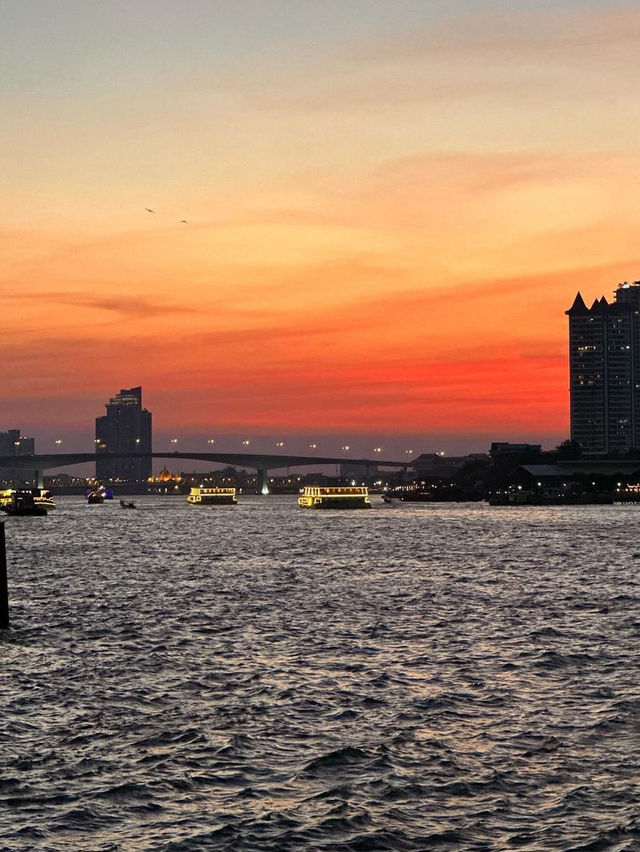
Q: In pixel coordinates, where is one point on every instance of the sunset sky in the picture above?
(390, 205)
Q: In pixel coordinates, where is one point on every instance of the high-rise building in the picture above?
(126, 428)
(14, 444)
(604, 365)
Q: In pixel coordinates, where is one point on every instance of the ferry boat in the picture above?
(212, 497)
(334, 497)
(22, 503)
(43, 497)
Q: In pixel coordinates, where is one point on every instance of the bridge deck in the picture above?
(45, 461)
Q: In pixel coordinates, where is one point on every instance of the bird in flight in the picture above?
(184, 221)
(149, 210)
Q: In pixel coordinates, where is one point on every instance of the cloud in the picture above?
(540, 56)
(561, 33)
(127, 306)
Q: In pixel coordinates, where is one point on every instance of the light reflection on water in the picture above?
(262, 677)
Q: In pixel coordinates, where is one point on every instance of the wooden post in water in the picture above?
(4, 591)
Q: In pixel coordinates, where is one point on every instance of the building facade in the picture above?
(604, 371)
(125, 428)
(14, 444)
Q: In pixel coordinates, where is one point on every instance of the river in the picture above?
(261, 677)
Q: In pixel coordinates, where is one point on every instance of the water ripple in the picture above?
(436, 677)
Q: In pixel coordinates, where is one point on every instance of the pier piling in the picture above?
(4, 591)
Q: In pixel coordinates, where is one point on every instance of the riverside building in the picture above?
(126, 428)
(604, 366)
(12, 443)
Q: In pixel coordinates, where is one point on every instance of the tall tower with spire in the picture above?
(604, 365)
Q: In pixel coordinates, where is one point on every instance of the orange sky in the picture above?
(388, 215)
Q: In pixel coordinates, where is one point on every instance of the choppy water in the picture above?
(261, 677)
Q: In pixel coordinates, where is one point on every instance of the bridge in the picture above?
(261, 463)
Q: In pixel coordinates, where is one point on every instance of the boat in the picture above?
(23, 503)
(127, 505)
(212, 496)
(95, 498)
(43, 497)
(334, 497)
(6, 496)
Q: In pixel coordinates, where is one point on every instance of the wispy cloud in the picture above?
(127, 306)
(530, 55)
(563, 33)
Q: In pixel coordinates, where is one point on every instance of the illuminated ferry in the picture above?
(6, 497)
(41, 497)
(330, 497)
(21, 503)
(212, 497)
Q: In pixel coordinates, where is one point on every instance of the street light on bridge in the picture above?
(246, 443)
(279, 443)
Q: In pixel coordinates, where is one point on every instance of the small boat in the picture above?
(22, 503)
(43, 497)
(212, 497)
(334, 497)
(127, 505)
(95, 498)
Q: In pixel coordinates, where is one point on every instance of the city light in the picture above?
(137, 440)
(409, 452)
(345, 448)
(246, 443)
(313, 446)
(377, 449)
(211, 441)
(173, 441)
(279, 443)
